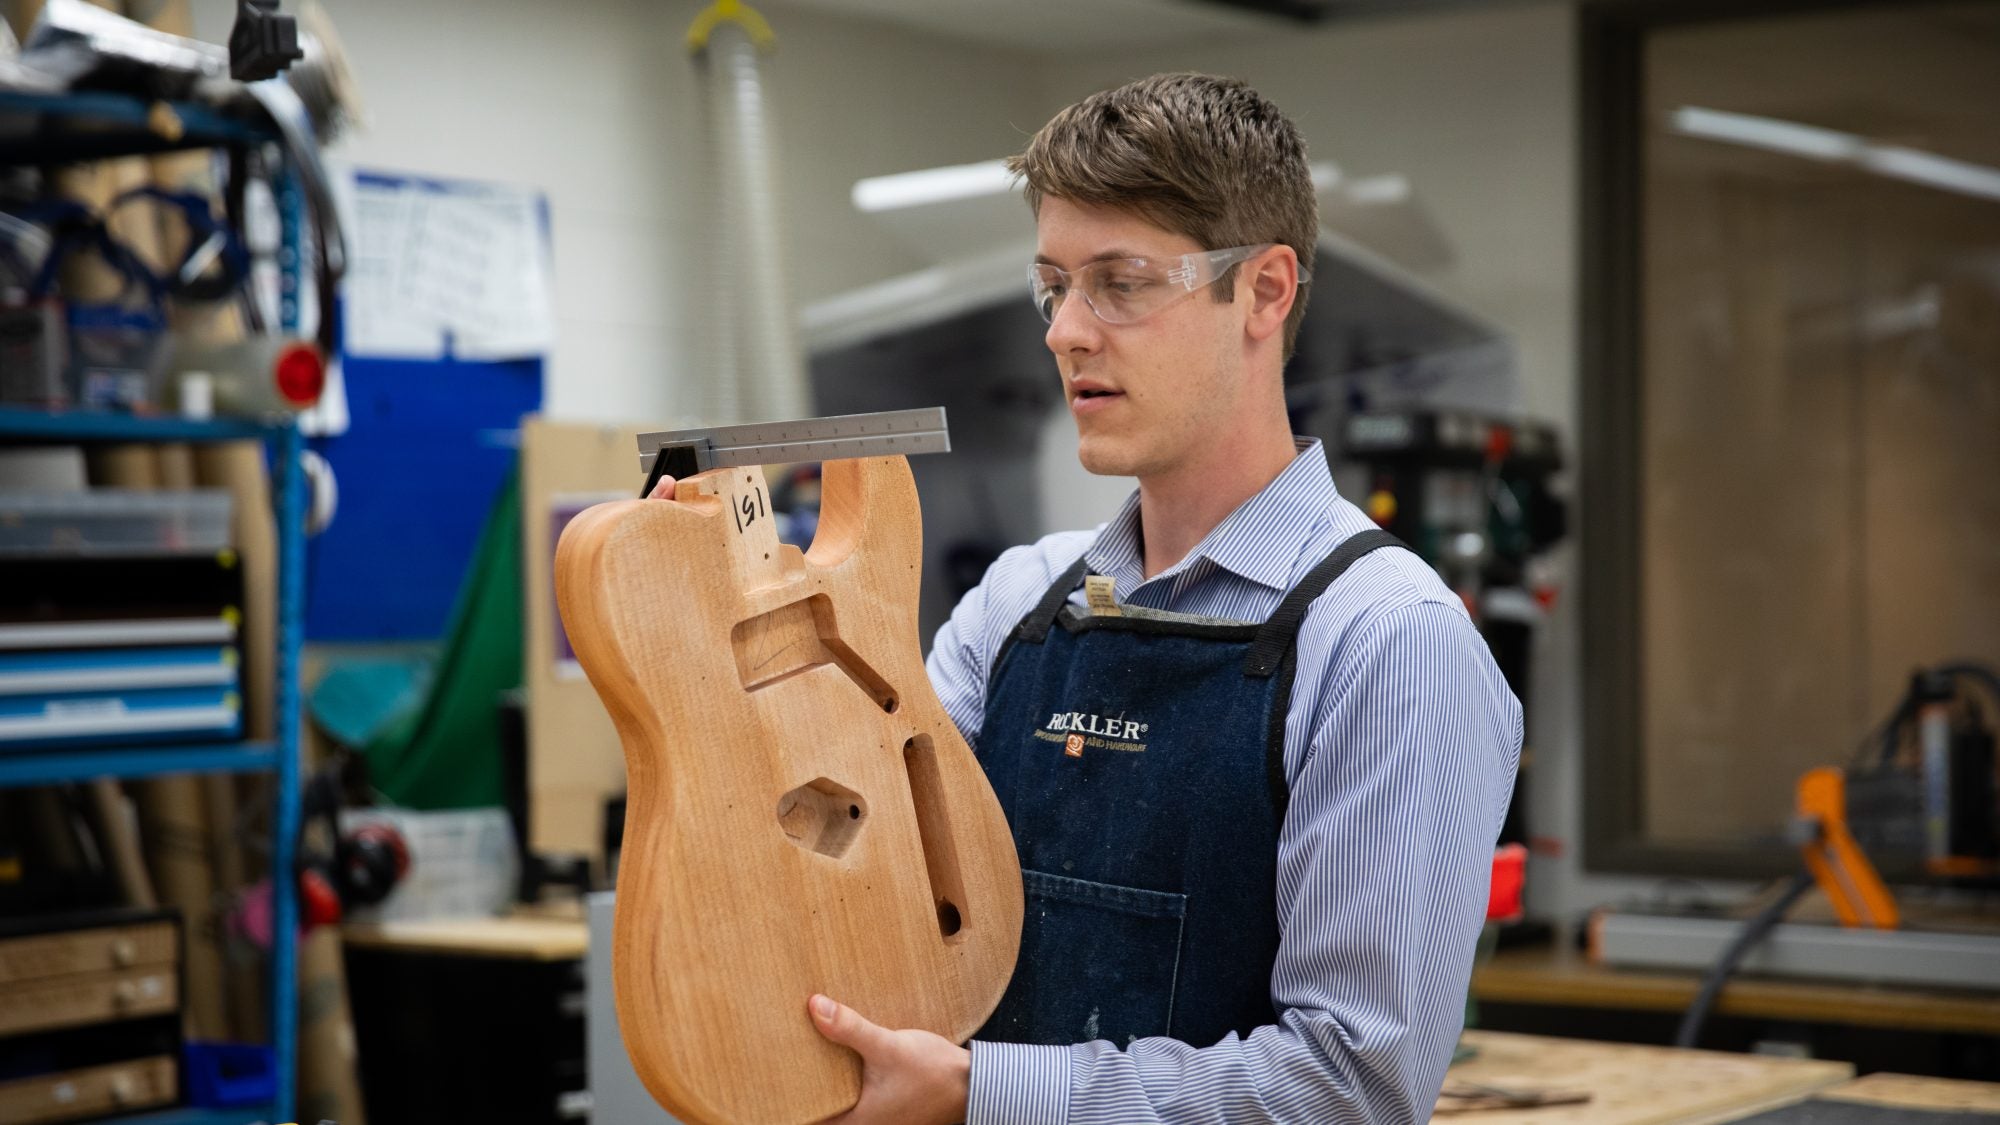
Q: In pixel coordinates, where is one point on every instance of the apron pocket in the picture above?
(1098, 961)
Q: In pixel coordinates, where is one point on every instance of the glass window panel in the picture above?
(1819, 394)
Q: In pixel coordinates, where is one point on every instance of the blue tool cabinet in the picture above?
(57, 129)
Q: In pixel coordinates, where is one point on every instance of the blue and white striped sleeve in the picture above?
(1383, 865)
(958, 661)
(962, 653)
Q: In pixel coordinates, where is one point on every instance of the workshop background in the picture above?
(1668, 330)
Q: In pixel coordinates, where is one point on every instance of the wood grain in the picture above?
(72, 1095)
(803, 815)
(1910, 1091)
(40, 957)
(1636, 1085)
(513, 938)
(117, 823)
(88, 998)
(253, 530)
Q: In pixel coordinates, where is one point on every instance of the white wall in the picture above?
(596, 103)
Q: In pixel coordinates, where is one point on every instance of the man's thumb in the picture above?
(843, 1025)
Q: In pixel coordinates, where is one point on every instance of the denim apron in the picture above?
(1140, 761)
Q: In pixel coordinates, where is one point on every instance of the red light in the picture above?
(1510, 870)
(301, 375)
(319, 903)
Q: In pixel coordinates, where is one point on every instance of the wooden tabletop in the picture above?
(1563, 978)
(1908, 1091)
(1629, 1084)
(521, 938)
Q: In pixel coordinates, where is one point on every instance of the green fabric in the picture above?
(445, 754)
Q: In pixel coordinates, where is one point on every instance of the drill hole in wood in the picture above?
(821, 816)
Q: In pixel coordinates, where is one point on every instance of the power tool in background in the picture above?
(1480, 499)
(1919, 800)
(1918, 805)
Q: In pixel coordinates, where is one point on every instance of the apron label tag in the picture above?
(1100, 590)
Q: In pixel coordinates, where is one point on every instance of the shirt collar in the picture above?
(1286, 512)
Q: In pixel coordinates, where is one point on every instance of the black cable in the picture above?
(1752, 932)
(1980, 672)
(1884, 739)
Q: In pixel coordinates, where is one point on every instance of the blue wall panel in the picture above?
(428, 446)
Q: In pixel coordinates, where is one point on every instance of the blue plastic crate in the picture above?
(221, 1075)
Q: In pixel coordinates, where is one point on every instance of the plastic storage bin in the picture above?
(221, 1075)
(462, 864)
(108, 521)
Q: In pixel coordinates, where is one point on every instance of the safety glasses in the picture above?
(1125, 290)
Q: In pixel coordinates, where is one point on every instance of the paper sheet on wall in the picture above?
(432, 260)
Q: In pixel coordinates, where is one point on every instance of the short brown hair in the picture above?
(1199, 155)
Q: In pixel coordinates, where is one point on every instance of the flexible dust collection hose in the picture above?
(755, 367)
(1746, 939)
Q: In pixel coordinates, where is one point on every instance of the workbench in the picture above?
(520, 937)
(470, 1019)
(1630, 1084)
(1560, 977)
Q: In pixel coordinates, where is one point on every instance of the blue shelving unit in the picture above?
(80, 765)
(255, 1115)
(280, 756)
(62, 426)
(92, 125)
(55, 129)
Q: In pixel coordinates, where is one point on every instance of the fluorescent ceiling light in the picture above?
(1377, 191)
(933, 185)
(970, 181)
(1767, 133)
(1834, 147)
(1932, 170)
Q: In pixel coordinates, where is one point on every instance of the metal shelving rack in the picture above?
(59, 129)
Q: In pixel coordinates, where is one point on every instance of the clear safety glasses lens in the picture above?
(1124, 290)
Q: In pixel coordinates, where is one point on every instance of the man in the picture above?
(1255, 855)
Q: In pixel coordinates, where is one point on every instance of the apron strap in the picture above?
(1274, 638)
(1034, 628)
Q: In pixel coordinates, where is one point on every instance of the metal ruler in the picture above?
(683, 453)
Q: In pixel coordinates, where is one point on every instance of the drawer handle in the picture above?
(131, 992)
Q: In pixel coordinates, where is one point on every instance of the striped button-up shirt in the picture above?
(1400, 748)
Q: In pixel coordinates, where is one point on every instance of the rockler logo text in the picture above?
(1078, 730)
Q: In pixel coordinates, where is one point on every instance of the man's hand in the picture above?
(663, 490)
(909, 1077)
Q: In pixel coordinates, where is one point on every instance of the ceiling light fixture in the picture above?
(933, 185)
(1831, 146)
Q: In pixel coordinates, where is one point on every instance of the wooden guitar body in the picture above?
(802, 815)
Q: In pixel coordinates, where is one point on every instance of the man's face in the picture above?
(1145, 396)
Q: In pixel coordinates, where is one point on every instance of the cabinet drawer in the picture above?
(99, 950)
(91, 1092)
(89, 998)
